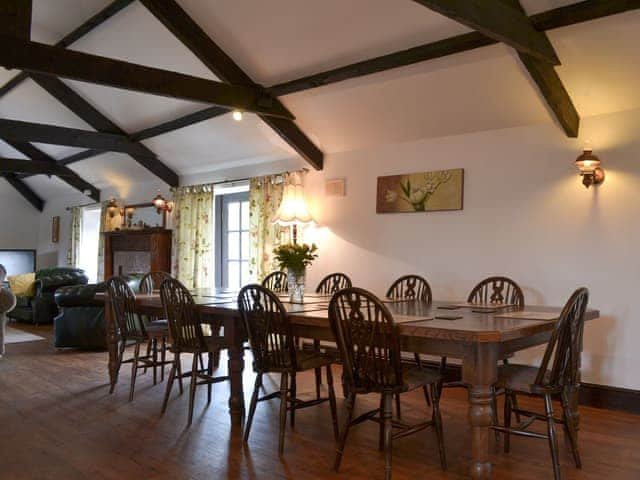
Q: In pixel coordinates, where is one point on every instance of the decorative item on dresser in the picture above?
(558, 373)
(137, 251)
(187, 336)
(369, 345)
(274, 351)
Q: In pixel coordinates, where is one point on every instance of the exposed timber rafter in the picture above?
(15, 18)
(87, 112)
(96, 20)
(195, 39)
(72, 179)
(45, 59)
(33, 167)
(24, 190)
(499, 21)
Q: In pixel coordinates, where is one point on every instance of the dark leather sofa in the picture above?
(81, 323)
(41, 308)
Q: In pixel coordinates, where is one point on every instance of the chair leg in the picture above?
(570, 429)
(508, 399)
(332, 404)
(179, 369)
(318, 371)
(192, 387)
(252, 407)
(388, 433)
(514, 406)
(216, 360)
(398, 410)
(425, 390)
(437, 421)
(149, 345)
(172, 375)
(350, 403)
(154, 348)
(121, 347)
(293, 392)
(163, 358)
(553, 441)
(381, 424)
(494, 412)
(134, 370)
(210, 373)
(283, 410)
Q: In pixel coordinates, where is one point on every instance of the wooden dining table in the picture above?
(480, 336)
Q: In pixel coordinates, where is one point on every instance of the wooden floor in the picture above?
(57, 421)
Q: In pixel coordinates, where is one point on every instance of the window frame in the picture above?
(221, 230)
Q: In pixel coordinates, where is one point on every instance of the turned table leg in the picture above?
(234, 336)
(112, 345)
(480, 373)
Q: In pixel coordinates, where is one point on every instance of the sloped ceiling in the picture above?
(280, 40)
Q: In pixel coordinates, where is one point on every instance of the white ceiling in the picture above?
(280, 40)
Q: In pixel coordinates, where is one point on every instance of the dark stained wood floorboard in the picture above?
(59, 422)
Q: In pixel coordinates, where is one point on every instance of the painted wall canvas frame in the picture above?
(421, 192)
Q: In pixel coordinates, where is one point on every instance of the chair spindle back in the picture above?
(497, 290)
(152, 281)
(276, 282)
(182, 315)
(122, 302)
(333, 283)
(410, 287)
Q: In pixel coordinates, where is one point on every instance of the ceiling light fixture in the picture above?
(237, 115)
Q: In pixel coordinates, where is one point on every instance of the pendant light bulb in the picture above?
(237, 115)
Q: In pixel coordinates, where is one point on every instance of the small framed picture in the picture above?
(55, 229)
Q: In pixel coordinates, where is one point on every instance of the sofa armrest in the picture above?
(78, 295)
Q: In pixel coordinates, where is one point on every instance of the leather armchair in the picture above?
(41, 308)
(81, 323)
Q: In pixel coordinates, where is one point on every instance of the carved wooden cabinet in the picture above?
(137, 251)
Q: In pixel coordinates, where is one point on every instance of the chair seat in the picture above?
(519, 378)
(155, 331)
(417, 377)
(310, 360)
(213, 344)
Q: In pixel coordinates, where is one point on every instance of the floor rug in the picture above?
(13, 335)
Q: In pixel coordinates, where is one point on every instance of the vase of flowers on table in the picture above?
(295, 258)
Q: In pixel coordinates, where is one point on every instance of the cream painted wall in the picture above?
(526, 215)
(18, 218)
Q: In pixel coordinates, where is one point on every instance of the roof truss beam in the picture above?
(93, 22)
(87, 112)
(45, 59)
(499, 21)
(24, 190)
(71, 177)
(15, 18)
(195, 39)
(33, 167)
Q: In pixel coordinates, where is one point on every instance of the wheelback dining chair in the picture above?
(411, 287)
(557, 375)
(274, 351)
(149, 284)
(369, 345)
(329, 285)
(131, 328)
(276, 282)
(187, 336)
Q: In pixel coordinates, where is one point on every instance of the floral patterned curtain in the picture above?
(76, 231)
(193, 235)
(264, 199)
(105, 226)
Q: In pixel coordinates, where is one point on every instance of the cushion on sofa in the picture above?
(23, 285)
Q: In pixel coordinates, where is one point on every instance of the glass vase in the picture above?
(295, 282)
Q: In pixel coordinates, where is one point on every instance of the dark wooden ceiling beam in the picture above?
(193, 37)
(72, 178)
(178, 123)
(33, 167)
(96, 20)
(87, 112)
(40, 58)
(72, 137)
(550, 86)
(15, 18)
(24, 190)
(498, 21)
(550, 19)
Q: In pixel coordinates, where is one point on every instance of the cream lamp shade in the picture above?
(293, 208)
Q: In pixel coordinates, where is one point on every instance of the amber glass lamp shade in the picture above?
(589, 166)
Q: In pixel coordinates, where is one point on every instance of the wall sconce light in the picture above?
(161, 204)
(112, 208)
(589, 165)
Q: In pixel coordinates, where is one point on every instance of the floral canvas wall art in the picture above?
(421, 192)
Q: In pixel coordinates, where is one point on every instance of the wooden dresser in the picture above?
(137, 251)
